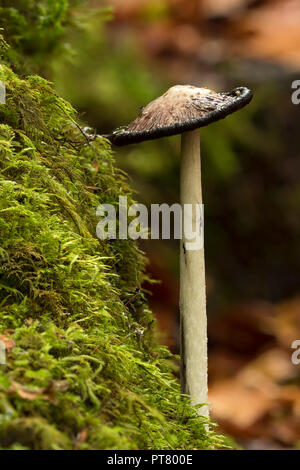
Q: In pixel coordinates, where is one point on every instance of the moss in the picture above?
(34, 433)
(85, 372)
(33, 28)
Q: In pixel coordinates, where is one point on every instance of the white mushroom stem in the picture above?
(192, 282)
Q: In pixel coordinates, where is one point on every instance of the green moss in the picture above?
(33, 433)
(33, 28)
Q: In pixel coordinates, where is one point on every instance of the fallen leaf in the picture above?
(59, 335)
(239, 404)
(9, 332)
(82, 435)
(93, 188)
(96, 165)
(24, 392)
(274, 364)
(46, 393)
(8, 342)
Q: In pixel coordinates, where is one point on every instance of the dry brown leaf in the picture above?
(9, 332)
(24, 392)
(239, 404)
(273, 365)
(223, 8)
(96, 165)
(286, 431)
(82, 435)
(59, 335)
(47, 393)
(93, 188)
(130, 8)
(290, 394)
(8, 342)
(271, 32)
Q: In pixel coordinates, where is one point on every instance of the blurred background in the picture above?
(116, 56)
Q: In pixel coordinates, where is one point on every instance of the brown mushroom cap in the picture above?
(182, 108)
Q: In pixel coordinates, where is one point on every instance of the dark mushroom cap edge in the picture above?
(242, 96)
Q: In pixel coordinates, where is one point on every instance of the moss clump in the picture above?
(34, 433)
(85, 372)
(33, 28)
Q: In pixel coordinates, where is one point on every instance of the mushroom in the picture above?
(183, 109)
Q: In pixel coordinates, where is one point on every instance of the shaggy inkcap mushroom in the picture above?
(182, 110)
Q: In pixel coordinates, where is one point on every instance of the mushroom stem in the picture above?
(193, 322)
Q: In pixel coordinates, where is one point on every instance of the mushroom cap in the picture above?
(182, 108)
